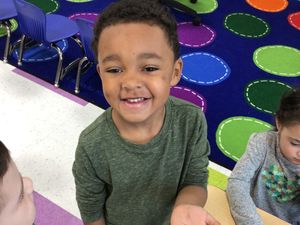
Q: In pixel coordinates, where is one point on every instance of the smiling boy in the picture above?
(144, 160)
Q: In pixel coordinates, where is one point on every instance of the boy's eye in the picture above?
(114, 70)
(295, 144)
(150, 68)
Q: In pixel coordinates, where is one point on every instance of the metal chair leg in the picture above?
(75, 62)
(7, 45)
(59, 66)
(14, 46)
(21, 49)
(77, 40)
(84, 59)
(69, 67)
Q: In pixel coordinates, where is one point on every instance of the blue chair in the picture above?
(7, 12)
(86, 34)
(47, 29)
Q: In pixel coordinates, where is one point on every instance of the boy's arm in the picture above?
(188, 207)
(98, 222)
(192, 195)
(241, 204)
(90, 189)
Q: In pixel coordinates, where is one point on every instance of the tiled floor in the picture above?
(41, 128)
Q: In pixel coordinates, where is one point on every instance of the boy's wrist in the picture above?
(191, 195)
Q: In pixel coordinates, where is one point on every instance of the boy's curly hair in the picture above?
(151, 12)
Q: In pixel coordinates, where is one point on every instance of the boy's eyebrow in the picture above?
(149, 55)
(111, 58)
(146, 55)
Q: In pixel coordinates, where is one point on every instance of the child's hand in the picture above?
(191, 215)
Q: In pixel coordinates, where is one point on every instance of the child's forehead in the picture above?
(133, 30)
(137, 24)
(11, 181)
(134, 38)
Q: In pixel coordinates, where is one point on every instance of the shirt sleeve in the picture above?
(90, 189)
(239, 186)
(197, 173)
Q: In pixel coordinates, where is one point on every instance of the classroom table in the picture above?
(217, 205)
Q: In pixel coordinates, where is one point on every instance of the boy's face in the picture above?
(289, 142)
(137, 69)
(16, 194)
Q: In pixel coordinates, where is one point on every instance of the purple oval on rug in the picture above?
(189, 95)
(195, 36)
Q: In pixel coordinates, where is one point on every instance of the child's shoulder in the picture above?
(184, 106)
(186, 114)
(99, 125)
(180, 102)
(265, 137)
(264, 140)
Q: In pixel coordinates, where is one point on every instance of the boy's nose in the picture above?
(131, 81)
(28, 185)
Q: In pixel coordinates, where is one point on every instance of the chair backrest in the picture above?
(32, 20)
(7, 9)
(86, 35)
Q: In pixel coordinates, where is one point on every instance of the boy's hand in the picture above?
(191, 215)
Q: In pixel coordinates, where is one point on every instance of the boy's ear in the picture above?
(177, 72)
(98, 68)
(278, 125)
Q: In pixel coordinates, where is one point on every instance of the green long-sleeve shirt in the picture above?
(137, 184)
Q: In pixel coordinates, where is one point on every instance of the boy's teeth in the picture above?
(135, 99)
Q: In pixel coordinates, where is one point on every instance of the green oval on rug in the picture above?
(265, 95)
(278, 60)
(13, 27)
(233, 133)
(79, 1)
(48, 6)
(207, 6)
(246, 25)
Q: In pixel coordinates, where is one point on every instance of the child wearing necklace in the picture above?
(268, 174)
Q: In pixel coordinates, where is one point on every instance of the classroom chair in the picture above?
(86, 35)
(7, 12)
(47, 29)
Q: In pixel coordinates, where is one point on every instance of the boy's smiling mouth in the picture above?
(134, 100)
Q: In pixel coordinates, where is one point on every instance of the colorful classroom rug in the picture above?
(237, 63)
(217, 179)
(48, 213)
